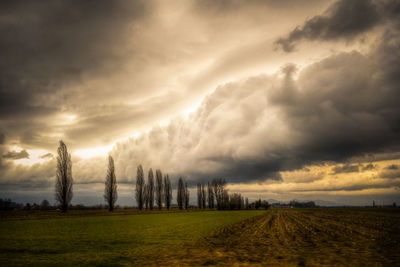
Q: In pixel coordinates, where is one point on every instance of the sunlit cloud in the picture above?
(35, 156)
(92, 152)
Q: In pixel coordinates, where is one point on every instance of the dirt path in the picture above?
(319, 237)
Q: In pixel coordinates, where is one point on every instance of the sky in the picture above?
(284, 99)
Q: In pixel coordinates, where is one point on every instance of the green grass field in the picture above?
(107, 240)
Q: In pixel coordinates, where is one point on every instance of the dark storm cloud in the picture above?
(47, 46)
(238, 171)
(345, 169)
(226, 6)
(383, 184)
(28, 178)
(2, 138)
(25, 185)
(343, 20)
(23, 154)
(341, 114)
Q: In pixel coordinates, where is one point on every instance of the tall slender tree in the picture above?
(210, 196)
(64, 177)
(140, 187)
(146, 201)
(110, 191)
(225, 199)
(159, 189)
(150, 189)
(220, 193)
(199, 196)
(186, 194)
(180, 196)
(167, 191)
(203, 196)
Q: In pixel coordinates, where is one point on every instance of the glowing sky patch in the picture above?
(92, 152)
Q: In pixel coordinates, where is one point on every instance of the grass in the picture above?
(107, 240)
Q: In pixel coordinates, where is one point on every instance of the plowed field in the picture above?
(295, 237)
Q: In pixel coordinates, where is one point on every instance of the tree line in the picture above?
(215, 195)
(159, 193)
(156, 193)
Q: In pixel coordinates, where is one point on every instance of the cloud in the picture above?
(248, 131)
(23, 154)
(368, 167)
(342, 20)
(2, 138)
(94, 72)
(392, 167)
(345, 169)
(40, 176)
(391, 172)
(46, 156)
(356, 187)
(49, 50)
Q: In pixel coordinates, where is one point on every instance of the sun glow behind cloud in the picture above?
(35, 156)
(93, 151)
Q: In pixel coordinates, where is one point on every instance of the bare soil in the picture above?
(299, 237)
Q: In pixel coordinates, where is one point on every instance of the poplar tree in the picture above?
(146, 197)
(180, 196)
(64, 177)
(167, 191)
(140, 187)
(199, 196)
(110, 191)
(210, 196)
(159, 189)
(203, 196)
(220, 193)
(186, 196)
(150, 189)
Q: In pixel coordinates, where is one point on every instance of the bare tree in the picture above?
(210, 196)
(146, 196)
(159, 189)
(199, 196)
(219, 192)
(180, 197)
(110, 191)
(140, 187)
(64, 177)
(225, 199)
(167, 191)
(235, 201)
(186, 196)
(203, 196)
(150, 189)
